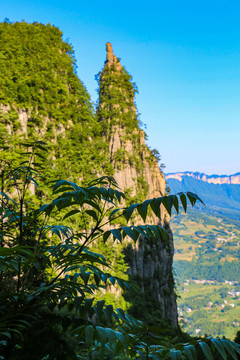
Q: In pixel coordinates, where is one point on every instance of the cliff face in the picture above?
(211, 179)
(137, 172)
(220, 193)
(134, 164)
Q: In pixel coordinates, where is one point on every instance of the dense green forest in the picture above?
(38, 74)
(58, 215)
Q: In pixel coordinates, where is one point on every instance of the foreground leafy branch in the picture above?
(50, 276)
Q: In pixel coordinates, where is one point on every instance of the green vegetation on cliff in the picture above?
(38, 73)
(39, 81)
(116, 100)
(117, 114)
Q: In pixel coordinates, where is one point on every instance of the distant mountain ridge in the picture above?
(220, 193)
(207, 254)
(214, 179)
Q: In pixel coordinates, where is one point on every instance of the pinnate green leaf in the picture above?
(116, 234)
(206, 350)
(70, 213)
(229, 348)
(190, 352)
(129, 211)
(93, 214)
(193, 198)
(89, 331)
(106, 235)
(155, 205)
(219, 346)
(183, 201)
(128, 231)
(113, 213)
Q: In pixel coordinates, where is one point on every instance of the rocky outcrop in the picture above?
(24, 117)
(133, 145)
(211, 179)
(111, 58)
(137, 173)
(128, 174)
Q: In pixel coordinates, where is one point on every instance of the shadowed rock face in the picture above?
(149, 262)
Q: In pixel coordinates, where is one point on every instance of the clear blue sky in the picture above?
(184, 57)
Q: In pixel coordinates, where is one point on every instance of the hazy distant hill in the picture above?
(215, 179)
(221, 194)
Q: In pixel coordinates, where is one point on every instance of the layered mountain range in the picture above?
(41, 98)
(207, 253)
(211, 179)
(220, 193)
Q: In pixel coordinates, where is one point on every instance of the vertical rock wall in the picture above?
(137, 173)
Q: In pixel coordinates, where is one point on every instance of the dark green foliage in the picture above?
(237, 337)
(51, 275)
(144, 307)
(51, 282)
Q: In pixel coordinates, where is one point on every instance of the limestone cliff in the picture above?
(137, 173)
(211, 179)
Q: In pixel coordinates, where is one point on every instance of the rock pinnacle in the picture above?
(111, 58)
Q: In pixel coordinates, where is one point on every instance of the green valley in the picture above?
(209, 308)
(206, 261)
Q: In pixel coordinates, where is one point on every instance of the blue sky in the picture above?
(184, 57)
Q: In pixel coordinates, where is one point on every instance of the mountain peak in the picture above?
(112, 60)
